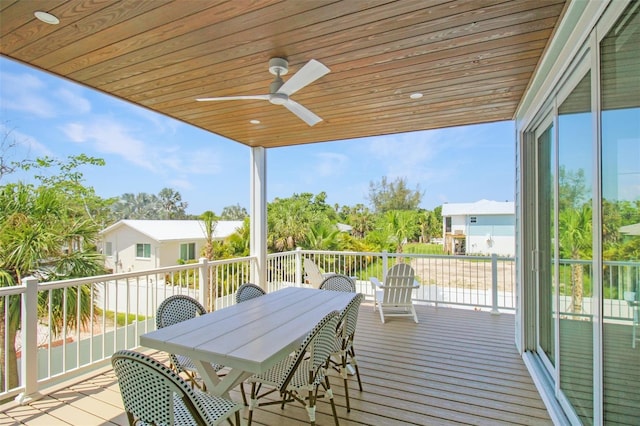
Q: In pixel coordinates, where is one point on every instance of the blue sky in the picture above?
(145, 152)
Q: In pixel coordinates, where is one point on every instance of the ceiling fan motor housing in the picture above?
(278, 66)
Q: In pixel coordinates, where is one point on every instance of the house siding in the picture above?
(124, 258)
(481, 228)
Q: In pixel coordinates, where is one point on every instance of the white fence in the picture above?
(118, 308)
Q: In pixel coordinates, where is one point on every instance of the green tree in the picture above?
(430, 223)
(166, 205)
(66, 177)
(321, 236)
(360, 218)
(235, 212)
(396, 195)
(210, 222)
(238, 243)
(172, 205)
(402, 226)
(575, 243)
(44, 235)
(289, 219)
(136, 206)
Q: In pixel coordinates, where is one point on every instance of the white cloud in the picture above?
(109, 136)
(409, 155)
(23, 92)
(29, 94)
(181, 183)
(73, 103)
(330, 164)
(199, 162)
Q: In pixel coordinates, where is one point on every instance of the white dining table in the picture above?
(249, 337)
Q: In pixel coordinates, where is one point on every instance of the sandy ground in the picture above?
(471, 273)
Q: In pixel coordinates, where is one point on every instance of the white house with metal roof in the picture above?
(134, 245)
(482, 228)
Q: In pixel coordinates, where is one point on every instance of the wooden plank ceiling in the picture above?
(471, 59)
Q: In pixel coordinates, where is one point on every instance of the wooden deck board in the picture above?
(455, 367)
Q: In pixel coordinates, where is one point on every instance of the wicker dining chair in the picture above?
(175, 309)
(248, 291)
(338, 282)
(155, 395)
(298, 377)
(344, 354)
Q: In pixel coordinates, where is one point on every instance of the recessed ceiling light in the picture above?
(47, 18)
(415, 95)
(254, 121)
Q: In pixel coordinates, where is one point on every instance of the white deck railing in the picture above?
(122, 306)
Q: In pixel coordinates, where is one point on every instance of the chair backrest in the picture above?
(150, 391)
(338, 282)
(318, 344)
(178, 308)
(398, 284)
(248, 291)
(314, 276)
(400, 274)
(350, 321)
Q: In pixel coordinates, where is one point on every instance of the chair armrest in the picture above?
(375, 282)
(416, 284)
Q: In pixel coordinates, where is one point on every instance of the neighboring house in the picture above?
(484, 227)
(134, 245)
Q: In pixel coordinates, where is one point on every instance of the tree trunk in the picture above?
(577, 278)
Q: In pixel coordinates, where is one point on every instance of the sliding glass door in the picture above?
(620, 205)
(544, 253)
(586, 227)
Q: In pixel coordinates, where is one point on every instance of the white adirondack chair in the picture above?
(313, 275)
(393, 298)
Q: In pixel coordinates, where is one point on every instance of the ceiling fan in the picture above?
(280, 91)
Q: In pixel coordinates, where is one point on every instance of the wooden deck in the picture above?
(455, 367)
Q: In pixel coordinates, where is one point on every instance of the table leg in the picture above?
(215, 384)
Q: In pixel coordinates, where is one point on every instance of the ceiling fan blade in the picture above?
(302, 113)
(234, 98)
(310, 72)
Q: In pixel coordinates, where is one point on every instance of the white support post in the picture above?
(298, 261)
(258, 214)
(203, 279)
(29, 328)
(385, 264)
(494, 284)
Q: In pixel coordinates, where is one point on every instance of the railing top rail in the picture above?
(125, 275)
(393, 255)
(13, 290)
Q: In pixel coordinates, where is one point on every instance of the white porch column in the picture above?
(29, 361)
(258, 212)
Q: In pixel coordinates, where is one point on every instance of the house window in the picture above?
(143, 250)
(188, 251)
(108, 248)
(448, 224)
(473, 219)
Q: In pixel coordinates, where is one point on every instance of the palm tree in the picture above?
(210, 222)
(239, 242)
(575, 243)
(45, 236)
(322, 236)
(172, 205)
(402, 226)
